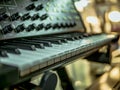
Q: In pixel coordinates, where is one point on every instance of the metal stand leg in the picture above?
(65, 80)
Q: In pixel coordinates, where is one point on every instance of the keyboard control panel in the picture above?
(24, 18)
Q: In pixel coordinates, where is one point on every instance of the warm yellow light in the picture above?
(114, 16)
(78, 83)
(105, 86)
(104, 78)
(81, 4)
(84, 3)
(92, 20)
(114, 74)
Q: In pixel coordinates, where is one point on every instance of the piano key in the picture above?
(43, 55)
(31, 58)
(68, 38)
(45, 43)
(49, 40)
(3, 53)
(57, 38)
(22, 46)
(39, 53)
(11, 49)
(53, 41)
(37, 45)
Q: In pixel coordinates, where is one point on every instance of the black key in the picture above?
(50, 40)
(58, 38)
(37, 45)
(68, 38)
(3, 53)
(11, 49)
(77, 37)
(45, 43)
(22, 46)
(81, 37)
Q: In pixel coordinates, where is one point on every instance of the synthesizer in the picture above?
(39, 35)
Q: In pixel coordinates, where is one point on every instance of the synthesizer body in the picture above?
(40, 35)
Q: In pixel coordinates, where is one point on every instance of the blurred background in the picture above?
(99, 15)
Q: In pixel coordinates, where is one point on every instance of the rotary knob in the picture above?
(67, 25)
(7, 29)
(31, 27)
(74, 24)
(3, 16)
(30, 7)
(62, 25)
(40, 27)
(25, 16)
(35, 17)
(39, 7)
(44, 16)
(19, 28)
(48, 26)
(15, 16)
(56, 25)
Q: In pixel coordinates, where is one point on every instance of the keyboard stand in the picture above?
(64, 78)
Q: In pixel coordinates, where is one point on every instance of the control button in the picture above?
(19, 28)
(35, 16)
(71, 24)
(3, 16)
(44, 16)
(15, 16)
(56, 25)
(30, 7)
(67, 25)
(40, 27)
(25, 17)
(7, 29)
(3, 53)
(34, 0)
(74, 24)
(62, 25)
(30, 28)
(39, 7)
(48, 26)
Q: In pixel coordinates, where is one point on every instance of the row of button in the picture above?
(31, 27)
(26, 16)
(32, 6)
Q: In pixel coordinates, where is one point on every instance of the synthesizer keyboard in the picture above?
(26, 57)
(32, 54)
(40, 35)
